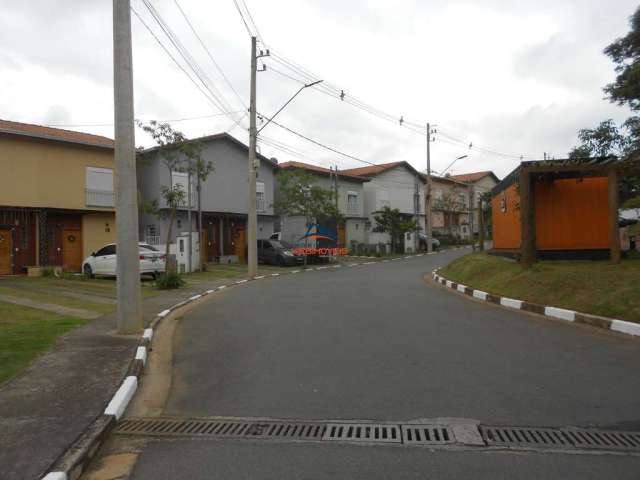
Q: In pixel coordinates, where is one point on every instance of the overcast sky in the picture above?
(517, 77)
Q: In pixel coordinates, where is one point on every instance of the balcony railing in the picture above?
(260, 205)
(153, 239)
(99, 198)
(353, 208)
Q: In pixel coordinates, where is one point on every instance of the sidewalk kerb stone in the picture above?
(120, 400)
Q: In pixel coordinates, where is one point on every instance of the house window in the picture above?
(438, 194)
(462, 199)
(352, 202)
(152, 235)
(383, 199)
(99, 187)
(181, 179)
(260, 197)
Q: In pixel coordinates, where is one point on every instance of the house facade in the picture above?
(395, 185)
(224, 198)
(56, 196)
(350, 196)
(480, 183)
(450, 209)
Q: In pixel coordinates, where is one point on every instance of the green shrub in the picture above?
(48, 272)
(169, 280)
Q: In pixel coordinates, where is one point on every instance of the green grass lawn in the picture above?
(25, 333)
(596, 287)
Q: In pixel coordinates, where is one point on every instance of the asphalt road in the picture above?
(376, 342)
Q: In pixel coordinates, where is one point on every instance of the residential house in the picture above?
(395, 185)
(450, 208)
(480, 183)
(350, 195)
(56, 196)
(224, 198)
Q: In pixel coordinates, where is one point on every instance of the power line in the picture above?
(243, 19)
(166, 120)
(210, 55)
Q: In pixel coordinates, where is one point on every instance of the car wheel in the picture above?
(87, 271)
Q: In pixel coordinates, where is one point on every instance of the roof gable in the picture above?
(322, 171)
(475, 176)
(54, 134)
(373, 170)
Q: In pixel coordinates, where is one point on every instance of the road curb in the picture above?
(72, 463)
(555, 313)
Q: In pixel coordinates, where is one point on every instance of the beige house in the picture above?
(480, 183)
(56, 196)
(450, 210)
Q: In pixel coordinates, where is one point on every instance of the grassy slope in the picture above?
(596, 287)
(25, 333)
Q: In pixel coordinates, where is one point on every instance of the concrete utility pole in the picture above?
(252, 214)
(472, 211)
(129, 312)
(199, 190)
(189, 220)
(480, 225)
(427, 194)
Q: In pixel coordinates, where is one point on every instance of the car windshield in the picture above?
(148, 247)
(286, 245)
(277, 244)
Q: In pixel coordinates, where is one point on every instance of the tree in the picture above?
(391, 221)
(607, 139)
(178, 154)
(298, 194)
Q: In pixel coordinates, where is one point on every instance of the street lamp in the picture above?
(306, 85)
(451, 164)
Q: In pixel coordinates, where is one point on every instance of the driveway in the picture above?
(376, 342)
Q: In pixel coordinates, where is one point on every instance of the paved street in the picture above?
(375, 342)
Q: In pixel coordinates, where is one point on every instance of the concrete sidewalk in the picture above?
(46, 407)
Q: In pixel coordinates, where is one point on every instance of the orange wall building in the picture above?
(571, 215)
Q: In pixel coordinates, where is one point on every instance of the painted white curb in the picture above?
(625, 327)
(55, 476)
(195, 297)
(141, 354)
(449, 284)
(148, 334)
(164, 313)
(121, 399)
(480, 294)
(461, 288)
(511, 303)
(560, 313)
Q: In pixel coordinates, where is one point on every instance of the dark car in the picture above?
(276, 252)
(435, 243)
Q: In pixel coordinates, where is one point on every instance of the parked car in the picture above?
(103, 262)
(276, 252)
(435, 243)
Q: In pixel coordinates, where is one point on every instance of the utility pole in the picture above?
(129, 312)
(199, 190)
(481, 224)
(427, 194)
(252, 214)
(190, 249)
(472, 211)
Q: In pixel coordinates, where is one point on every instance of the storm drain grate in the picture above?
(561, 438)
(606, 439)
(223, 428)
(363, 432)
(524, 436)
(426, 434)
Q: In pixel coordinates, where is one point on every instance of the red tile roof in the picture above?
(474, 176)
(56, 134)
(322, 170)
(372, 170)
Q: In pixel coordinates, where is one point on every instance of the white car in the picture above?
(103, 262)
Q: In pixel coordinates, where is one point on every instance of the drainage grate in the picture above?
(223, 428)
(426, 434)
(363, 432)
(524, 436)
(606, 439)
(561, 438)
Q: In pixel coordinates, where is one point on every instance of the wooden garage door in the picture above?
(71, 250)
(5, 252)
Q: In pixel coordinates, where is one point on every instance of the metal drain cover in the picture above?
(561, 438)
(363, 432)
(427, 434)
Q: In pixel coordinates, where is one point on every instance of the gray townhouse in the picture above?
(395, 185)
(224, 198)
(350, 204)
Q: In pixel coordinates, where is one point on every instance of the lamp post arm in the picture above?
(288, 102)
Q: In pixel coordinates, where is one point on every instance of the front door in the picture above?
(342, 237)
(71, 250)
(6, 247)
(239, 243)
